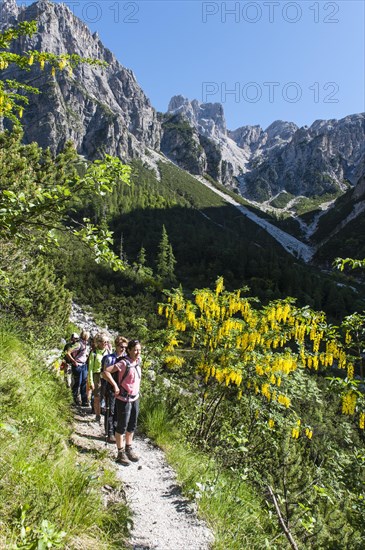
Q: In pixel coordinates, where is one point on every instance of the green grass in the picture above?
(49, 494)
(281, 200)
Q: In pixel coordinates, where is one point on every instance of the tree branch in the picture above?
(287, 533)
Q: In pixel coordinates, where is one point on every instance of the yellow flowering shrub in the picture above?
(239, 344)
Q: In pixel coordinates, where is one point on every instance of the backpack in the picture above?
(103, 361)
(125, 358)
(79, 351)
(126, 372)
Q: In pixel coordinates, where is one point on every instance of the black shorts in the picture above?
(127, 415)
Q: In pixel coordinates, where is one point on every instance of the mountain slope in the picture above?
(341, 230)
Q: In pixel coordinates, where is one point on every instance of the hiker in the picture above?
(99, 350)
(66, 365)
(126, 391)
(77, 356)
(121, 344)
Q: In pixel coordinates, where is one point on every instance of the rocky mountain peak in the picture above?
(280, 131)
(207, 118)
(9, 11)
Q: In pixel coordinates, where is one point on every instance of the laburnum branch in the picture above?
(285, 528)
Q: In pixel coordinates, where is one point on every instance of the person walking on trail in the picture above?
(96, 355)
(66, 365)
(126, 391)
(77, 356)
(121, 344)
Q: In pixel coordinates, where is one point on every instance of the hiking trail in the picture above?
(163, 519)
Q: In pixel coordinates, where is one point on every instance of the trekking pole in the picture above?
(106, 416)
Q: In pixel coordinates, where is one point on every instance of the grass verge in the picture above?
(50, 496)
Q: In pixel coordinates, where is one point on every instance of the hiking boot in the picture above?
(122, 458)
(97, 418)
(111, 438)
(85, 404)
(131, 454)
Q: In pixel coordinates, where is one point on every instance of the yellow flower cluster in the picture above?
(283, 363)
(259, 370)
(299, 332)
(219, 287)
(348, 337)
(174, 361)
(350, 371)
(335, 352)
(278, 313)
(312, 362)
(190, 315)
(362, 421)
(349, 403)
(179, 325)
(171, 345)
(5, 105)
(248, 340)
(271, 423)
(62, 64)
(317, 338)
(326, 359)
(265, 390)
(296, 431)
(225, 375)
(227, 327)
(284, 400)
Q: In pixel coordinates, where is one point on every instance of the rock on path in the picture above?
(163, 519)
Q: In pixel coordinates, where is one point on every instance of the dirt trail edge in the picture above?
(163, 519)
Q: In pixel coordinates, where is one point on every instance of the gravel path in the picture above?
(163, 518)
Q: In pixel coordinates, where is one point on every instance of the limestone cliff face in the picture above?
(219, 156)
(181, 144)
(327, 157)
(99, 109)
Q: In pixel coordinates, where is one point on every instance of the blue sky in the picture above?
(263, 60)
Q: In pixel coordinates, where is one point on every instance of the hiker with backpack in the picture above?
(126, 390)
(66, 365)
(121, 344)
(77, 356)
(100, 349)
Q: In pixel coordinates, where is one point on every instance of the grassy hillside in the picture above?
(348, 241)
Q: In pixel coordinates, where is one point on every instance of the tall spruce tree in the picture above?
(166, 259)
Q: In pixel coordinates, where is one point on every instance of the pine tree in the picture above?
(171, 261)
(165, 259)
(122, 254)
(141, 259)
